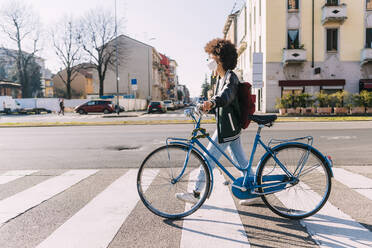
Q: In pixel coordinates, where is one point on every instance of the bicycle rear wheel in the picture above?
(308, 195)
(157, 186)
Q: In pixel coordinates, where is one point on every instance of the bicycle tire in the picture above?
(284, 203)
(161, 200)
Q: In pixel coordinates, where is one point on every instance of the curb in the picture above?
(170, 122)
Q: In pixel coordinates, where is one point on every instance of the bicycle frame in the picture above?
(193, 143)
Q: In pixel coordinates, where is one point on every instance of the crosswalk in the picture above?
(170, 116)
(101, 208)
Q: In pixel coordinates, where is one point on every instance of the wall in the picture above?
(137, 63)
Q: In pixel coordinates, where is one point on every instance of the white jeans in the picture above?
(236, 152)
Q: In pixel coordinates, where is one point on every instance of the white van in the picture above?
(9, 105)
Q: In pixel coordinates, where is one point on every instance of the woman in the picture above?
(222, 60)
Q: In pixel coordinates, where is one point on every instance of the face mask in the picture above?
(212, 65)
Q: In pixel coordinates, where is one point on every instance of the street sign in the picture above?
(133, 82)
(257, 76)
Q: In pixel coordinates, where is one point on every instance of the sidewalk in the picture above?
(139, 118)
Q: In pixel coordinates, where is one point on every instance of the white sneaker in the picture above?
(187, 197)
(248, 202)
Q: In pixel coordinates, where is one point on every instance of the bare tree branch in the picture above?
(20, 24)
(96, 36)
(67, 49)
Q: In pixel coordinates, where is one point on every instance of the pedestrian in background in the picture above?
(61, 107)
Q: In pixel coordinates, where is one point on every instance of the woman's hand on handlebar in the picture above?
(207, 106)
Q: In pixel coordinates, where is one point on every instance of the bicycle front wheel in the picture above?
(168, 171)
(306, 196)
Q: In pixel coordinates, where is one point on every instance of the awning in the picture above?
(366, 83)
(321, 82)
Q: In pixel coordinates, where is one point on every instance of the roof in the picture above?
(11, 84)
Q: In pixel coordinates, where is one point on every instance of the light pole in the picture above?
(117, 64)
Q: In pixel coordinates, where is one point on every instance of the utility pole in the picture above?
(117, 63)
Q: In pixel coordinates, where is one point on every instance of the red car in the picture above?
(96, 106)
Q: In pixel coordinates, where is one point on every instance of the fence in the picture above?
(53, 103)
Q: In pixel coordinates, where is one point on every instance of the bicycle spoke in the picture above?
(161, 197)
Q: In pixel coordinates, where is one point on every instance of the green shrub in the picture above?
(356, 100)
(284, 102)
(366, 98)
(323, 99)
(338, 99)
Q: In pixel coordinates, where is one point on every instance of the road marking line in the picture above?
(217, 223)
(97, 223)
(330, 227)
(359, 183)
(19, 203)
(14, 174)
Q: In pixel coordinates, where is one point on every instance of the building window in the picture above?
(292, 4)
(369, 38)
(369, 4)
(332, 3)
(293, 39)
(332, 40)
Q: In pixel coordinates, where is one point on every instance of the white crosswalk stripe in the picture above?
(109, 210)
(359, 183)
(17, 204)
(13, 175)
(208, 226)
(216, 224)
(323, 224)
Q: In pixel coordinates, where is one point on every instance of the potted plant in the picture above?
(357, 104)
(339, 102)
(367, 100)
(282, 105)
(323, 103)
(297, 99)
(290, 103)
(306, 102)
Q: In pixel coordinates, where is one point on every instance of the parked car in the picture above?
(95, 106)
(157, 106)
(170, 104)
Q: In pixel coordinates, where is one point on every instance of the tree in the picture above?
(68, 51)
(96, 35)
(205, 87)
(20, 24)
(34, 74)
(3, 74)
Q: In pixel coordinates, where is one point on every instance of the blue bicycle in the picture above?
(292, 177)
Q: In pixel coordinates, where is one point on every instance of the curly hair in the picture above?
(225, 51)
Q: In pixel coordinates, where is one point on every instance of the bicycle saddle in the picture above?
(263, 119)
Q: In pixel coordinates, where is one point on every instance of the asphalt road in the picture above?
(348, 143)
(56, 206)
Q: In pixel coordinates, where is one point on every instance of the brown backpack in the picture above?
(246, 103)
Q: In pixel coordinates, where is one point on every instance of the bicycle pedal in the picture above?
(226, 183)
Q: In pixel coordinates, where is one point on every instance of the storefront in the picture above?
(329, 86)
(365, 84)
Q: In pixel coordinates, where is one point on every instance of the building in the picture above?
(8, 68)
(304, 47)
(81, 85)
(8, 88)
(143, 72)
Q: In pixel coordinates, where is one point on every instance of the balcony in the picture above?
(294, 56)
(366, 56)
(334, 13)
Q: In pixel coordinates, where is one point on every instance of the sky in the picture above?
(177, 28)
